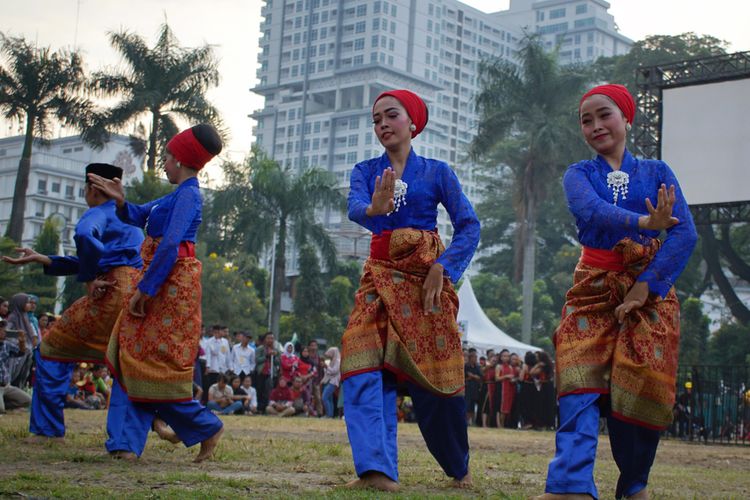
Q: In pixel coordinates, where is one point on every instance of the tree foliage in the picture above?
(160, 83)
(528, 132)
(263, 200)
(40, 88)
(230, 296)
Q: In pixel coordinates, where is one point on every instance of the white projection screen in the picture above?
(705, 139)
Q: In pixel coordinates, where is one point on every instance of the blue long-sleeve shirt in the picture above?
(601, 224)
(174, 218)
(430, 182)
(103, 242)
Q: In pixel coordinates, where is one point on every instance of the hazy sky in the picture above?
(232, 26)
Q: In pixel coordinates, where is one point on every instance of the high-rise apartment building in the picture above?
(322, 62)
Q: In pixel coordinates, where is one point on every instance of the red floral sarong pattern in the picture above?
(634, 362)
(152, 357)
(388, 328)
(83, 331)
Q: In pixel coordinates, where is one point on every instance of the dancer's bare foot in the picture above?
(39, 439)
(208, 447)
(563, 496)
(374, 480)
(464, 483)
(128, 456)
(641, 495)
(165, 432)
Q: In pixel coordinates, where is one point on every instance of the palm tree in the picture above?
(164, 81)
(528, 130)
(39, 87)
(262, 202)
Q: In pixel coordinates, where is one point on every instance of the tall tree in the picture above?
(693, 332)
(264, 202)
(39, 87)
(528, 128)
(160, 83)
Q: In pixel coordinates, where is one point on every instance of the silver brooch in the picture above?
(399, 195)
(618, 181)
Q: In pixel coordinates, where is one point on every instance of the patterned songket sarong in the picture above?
(153, 357)
(634, 362)
(83, 331)
(388, 328)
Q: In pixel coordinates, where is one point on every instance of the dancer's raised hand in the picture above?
(382, 198)
(660, 218)
(27, 255)
(112, 188)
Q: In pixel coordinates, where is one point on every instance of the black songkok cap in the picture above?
(103, 170)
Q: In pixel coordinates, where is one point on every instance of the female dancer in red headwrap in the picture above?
(404, 321)
(155, 342)
(617, 342)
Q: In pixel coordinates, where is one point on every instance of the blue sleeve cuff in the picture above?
(655, 286)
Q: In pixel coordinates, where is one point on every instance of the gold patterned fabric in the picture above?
(388, 328)
(634, 362)
(83, 331)
(152, 357)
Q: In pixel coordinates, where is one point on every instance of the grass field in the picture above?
(263, 457)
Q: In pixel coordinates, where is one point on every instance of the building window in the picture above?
(557, 13)
(81, 193)
(55, 187)
(359, 44)
(582, 8)
(361, 10)
(358, 60)
(376, 7)
(353, 140)
(41, 186)
(351, 157)
(39, 212)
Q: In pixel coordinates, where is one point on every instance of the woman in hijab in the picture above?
(18, 319)
(289, 362)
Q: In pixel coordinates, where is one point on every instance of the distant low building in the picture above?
(56, 180)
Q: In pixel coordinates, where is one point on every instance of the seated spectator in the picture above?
(221, 398)
(238, 394)
(251, 401)
(18, 319)
(281, 401)
(99, 377)
(301, 398)
(75, 398)
(10, 396)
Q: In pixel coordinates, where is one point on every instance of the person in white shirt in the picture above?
(251, 402)
(217, 356)
(243, 357)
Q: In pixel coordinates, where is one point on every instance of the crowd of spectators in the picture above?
(249, 377)
(505, 391)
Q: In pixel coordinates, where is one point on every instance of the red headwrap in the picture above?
(619, 94)
(187, 150)
(414, 106)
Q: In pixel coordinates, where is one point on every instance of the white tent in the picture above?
(479, 331)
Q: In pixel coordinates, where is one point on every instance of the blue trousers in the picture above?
(51, 384)
(371, 423)
(327, 397)
(572, 469)
(229, 410)
(190, 420)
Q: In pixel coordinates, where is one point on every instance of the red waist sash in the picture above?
(186, 250)
(602, 259)
(380, 245)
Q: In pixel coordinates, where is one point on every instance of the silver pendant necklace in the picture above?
(399, 195)
(618, 181)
